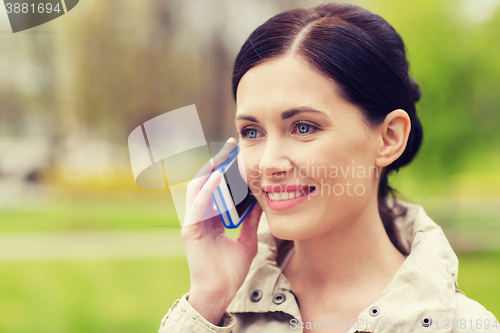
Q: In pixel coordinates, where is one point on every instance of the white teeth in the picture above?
(284, 196)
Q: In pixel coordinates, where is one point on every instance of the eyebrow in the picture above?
(284, 115)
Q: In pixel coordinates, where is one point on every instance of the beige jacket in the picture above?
(422, 296)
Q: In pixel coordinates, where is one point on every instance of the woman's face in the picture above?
(298, 136)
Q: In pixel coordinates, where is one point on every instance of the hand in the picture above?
(217, 264)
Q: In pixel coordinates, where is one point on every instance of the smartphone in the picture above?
(233, 198)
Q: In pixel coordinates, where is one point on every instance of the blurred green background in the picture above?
(82, 248)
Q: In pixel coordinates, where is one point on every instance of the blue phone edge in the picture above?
(222, 167)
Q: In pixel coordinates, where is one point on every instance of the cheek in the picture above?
(249, 170)
(242, 167)
(341, 161)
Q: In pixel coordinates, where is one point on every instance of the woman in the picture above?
(325, 110)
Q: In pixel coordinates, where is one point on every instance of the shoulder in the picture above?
(470, 316)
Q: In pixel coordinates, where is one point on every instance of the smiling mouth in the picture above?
(281, 196)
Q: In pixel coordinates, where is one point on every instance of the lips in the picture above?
(284, 197)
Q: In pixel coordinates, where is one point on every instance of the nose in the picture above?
(275, 162)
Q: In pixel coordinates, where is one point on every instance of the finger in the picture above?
(248, 233)
(202, 199)
(205, 172)
(201, 177)
(221, 156)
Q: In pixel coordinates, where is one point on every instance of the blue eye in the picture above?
(252, 134)
(303, 128)
(249, 133)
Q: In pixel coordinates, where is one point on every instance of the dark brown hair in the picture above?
(362, 53)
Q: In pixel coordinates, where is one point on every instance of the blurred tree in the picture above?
(113, 65)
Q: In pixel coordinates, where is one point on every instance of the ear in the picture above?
(394, 134)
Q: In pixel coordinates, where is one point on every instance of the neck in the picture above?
(357, 253)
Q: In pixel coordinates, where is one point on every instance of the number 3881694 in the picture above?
(26, 8)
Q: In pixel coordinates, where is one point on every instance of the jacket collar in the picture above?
(421, 291)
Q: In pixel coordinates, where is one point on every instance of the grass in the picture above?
(132, 295)
(78, 210)
(478, 277)
(123, 296)
(89, 296)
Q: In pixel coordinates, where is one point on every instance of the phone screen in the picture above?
(240, 193)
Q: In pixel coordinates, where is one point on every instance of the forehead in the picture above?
(282, 83)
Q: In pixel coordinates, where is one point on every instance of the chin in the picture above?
(283, 228)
